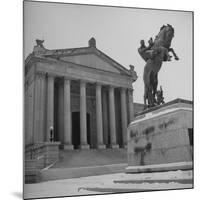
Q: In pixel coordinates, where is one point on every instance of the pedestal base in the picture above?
(101, 146)
(84, 146)
(125, 146)
(68, 147)
(160, 136)
(114, 146)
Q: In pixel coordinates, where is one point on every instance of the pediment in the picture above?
(85, 56)
(95, 61)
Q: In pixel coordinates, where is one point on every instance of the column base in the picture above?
(84, 146)
(68, 147)
(125, 146)
(114, 146)
(101, 146)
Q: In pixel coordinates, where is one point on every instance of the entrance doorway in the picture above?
(76, 129)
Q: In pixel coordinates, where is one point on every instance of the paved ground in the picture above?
(110, 183)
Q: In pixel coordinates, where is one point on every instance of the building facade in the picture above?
(81, 95)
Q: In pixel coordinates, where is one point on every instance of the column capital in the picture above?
(123, 89)
(112, 87)
(130, 89)
(67, 78)
(40, 74)
(83, 81)
(99, 84)
(51, 75)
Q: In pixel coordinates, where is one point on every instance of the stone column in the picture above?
(50, 105)
(39, 107)
(112, 118)
(99, 122)
(124, 116)
(83, 122)
(67, 116)
(131, 108)
(105, 116)
(60, 111)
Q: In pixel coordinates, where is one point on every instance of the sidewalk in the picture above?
(110, 183)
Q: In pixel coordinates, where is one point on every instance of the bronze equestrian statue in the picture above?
(154, 55)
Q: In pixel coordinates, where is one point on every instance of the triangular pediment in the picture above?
(93, 61)
(86, 56)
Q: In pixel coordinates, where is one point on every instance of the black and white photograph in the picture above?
(108, 99)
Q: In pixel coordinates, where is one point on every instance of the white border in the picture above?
(11, 98)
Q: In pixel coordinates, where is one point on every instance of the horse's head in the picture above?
(169, 33)
(165, 35)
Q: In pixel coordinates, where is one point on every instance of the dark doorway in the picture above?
(190, 133)
(88, 128)
(76, 129)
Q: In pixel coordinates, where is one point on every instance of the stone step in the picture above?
(91, 157)
(77, 172)
(160, 167)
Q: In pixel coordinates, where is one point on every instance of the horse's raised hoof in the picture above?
(176, 58)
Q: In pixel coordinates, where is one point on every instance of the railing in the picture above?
(37, 157)
(33, 151)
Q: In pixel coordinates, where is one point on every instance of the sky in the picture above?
(118, 32)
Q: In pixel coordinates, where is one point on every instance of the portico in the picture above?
(83, 94)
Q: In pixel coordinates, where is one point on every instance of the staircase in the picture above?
(92, 157)
(81, 163)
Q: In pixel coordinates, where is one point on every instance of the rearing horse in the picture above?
(154, 55)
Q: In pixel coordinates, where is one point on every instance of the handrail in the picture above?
(34, 150)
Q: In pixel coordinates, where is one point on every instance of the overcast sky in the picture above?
(118, 32)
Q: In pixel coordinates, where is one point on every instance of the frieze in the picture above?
(119, 77)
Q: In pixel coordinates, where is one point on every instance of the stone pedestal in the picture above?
(114, 146)
(51, 152)
(84, 146)
(68, 146)
(161, 136)
(101, 146)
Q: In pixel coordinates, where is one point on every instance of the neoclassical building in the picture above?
(82, 94)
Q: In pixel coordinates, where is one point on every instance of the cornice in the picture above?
(53, 61)
(59, 53)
